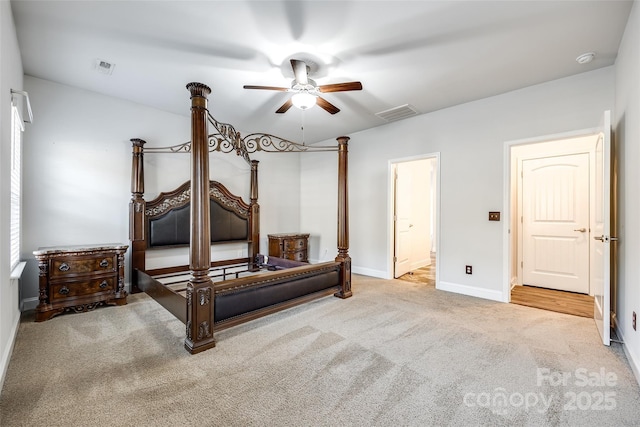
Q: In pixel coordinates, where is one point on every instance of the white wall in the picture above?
(627, 140)
(470, 139)
(78, 166)
(10, 78)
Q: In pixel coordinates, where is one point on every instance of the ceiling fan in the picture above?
(306, 91)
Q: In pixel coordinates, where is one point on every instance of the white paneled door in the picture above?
(601, 245)
(402, 220)
(555, 222)
(412, 213)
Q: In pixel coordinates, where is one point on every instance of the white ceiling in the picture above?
(428, 54)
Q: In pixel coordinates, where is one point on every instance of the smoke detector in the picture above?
(585, 58)
(104, 67)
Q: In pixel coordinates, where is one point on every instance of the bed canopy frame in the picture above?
(200, 291)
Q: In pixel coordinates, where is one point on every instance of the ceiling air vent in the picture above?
(397, 113)
(104, 67)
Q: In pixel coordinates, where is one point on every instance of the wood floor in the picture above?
(549, 299)
(426, 275)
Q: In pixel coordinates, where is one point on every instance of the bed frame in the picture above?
(205, 306)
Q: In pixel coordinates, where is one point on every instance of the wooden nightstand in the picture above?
(79, 278)
(292, 246)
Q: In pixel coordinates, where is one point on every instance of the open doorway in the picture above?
(597, 235)
(413, 218)
(553, 194)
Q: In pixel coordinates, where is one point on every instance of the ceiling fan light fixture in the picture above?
(303, 100)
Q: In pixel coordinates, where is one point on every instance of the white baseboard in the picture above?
(634, 361)
(29, 304)
(369, 272)
(471, 291)
(6, 355)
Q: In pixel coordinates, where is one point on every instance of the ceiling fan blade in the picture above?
(340, 87)
(281, 89)
(285, 107)
(300, 71)
(326, 105)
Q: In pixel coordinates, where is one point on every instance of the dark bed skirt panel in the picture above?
(241, 300)
(231, 304)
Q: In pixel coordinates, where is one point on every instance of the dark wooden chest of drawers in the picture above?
(79, 278)
(292, 246)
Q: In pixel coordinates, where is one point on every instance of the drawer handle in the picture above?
(64, 291)
(64, 267)
(104, 263)
(104, 284)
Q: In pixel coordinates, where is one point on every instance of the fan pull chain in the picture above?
(302, 127)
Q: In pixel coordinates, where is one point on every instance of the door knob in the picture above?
(582, 230)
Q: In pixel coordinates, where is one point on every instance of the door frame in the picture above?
(390, 210)
(509, 207)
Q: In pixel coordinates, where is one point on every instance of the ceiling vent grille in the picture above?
(398, 113)
(104, 67)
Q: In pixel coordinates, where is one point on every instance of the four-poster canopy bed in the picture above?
(202, 212)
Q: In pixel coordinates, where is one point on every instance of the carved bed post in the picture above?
(343, 219)
(254, 227)
(200, 294)
(136, 213)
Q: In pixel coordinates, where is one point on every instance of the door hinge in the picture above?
(395, 259)
(521, 265)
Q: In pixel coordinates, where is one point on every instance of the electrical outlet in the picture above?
(494, 216)
(468, 269)
(634, 321)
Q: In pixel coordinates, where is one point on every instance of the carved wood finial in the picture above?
(198, 89)
(137, 142)
(343, 139)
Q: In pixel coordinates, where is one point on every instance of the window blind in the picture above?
(17, 128)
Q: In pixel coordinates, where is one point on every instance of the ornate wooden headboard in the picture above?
(165, 220)
(167, 217)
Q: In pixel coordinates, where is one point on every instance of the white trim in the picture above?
(472, 291)
(29, 304)
(369, 272)
(16, 273)
(634, 362)
(6, 357)
(390, 202)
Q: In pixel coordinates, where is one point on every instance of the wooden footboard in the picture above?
(241, 300)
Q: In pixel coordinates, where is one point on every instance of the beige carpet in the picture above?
(396, 353)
